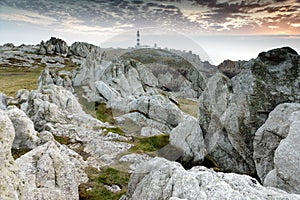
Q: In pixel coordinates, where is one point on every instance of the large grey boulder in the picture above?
(162, 179)
(231, 110)
(25, 134)
(286, 162)
(10, 183)
(188, 137)
(51, 171)
(268, 137)
(54, 46)
(82, 49)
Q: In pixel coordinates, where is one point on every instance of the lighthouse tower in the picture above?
(138, 39)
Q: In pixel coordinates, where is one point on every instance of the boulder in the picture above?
(82, 49)
(231, 110)
(286, 162)
(163, 179)
(10, 184)
(3, 101)
(54, 46)
(25, 135)
(231, 68)
(51, 171)
(188, 137)
(268, 137)
(154, 111)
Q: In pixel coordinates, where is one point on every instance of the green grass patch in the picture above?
(17, 153)
(13, 79)
(149, 144)
(62, 140)
(94, 189)
(104, 114)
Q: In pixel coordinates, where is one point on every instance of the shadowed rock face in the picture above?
(232, 110)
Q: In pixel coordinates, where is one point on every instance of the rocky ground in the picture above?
(147, 124)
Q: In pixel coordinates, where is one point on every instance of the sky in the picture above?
(214, 29)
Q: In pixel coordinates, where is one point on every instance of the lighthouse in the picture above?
(138, 39)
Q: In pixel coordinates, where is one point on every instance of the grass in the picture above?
(17, 153)
(104, 114)
(149, 144)
(188, 106)
(13, 79)
(94, 189)
(62, 140)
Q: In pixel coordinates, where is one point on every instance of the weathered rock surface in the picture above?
(276, 146)
(10, 184)
(232, 110)
(25, 135)
(51, 171)
(51, 103)
(188, 137)
(268, 136)
(54, 46)
(153, 111)
(162, 179)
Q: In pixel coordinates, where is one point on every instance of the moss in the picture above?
(149, 144)
(94, 189)
(115, 130)
(62, 140)
(210, 163)
(17, 153)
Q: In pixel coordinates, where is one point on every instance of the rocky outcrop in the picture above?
(10, 184)
(162, 179)
(48, 77)
(232, 110)
(188, 137)
(54, 46)
(82, 49)
(25, 135)
(3, 101)
(51, 171)
(53, 104)
(231, 68)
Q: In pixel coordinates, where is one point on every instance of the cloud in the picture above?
(198, 16)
